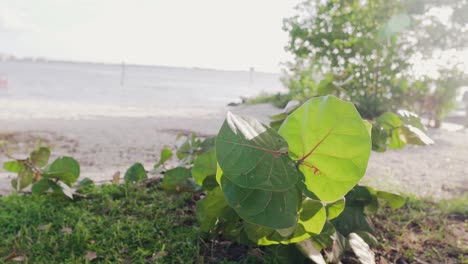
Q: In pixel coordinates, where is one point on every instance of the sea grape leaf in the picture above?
(135, 173)
(397, 139)
(312, 218)
(389, 121)
(25, 177)
(42, 186)
(361, 249)
(308, 248)
(379, 139)
(66, 189)
(273, 209)
(66, 169)
(166, 154)
(178, 179)
(324, 239)
(204, 166)
(340, 245)
(416, 136)
(335, 209)
(40, 157)
(210, 209)
(412, 119)
(13, 166)
(352, 219)
(285, 254)
(332, 144)
(370, 239)
(254, 156)
(394, 200)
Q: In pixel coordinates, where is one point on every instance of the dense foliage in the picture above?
(364, 51)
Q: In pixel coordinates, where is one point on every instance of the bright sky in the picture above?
(234, 34)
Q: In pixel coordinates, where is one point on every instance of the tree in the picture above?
(362, 50)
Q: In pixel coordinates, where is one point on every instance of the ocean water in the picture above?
(86, 90)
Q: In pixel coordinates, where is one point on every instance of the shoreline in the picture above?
(106, 145)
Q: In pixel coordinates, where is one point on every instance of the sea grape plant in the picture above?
(58, 176)
(281, 183)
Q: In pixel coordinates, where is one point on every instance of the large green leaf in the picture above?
(331, 143)
(135, 173)
(40, 157)
(66, 169)
(254, 156)
(273, 209)
(204, 166)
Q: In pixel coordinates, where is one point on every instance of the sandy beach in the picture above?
(106, 145)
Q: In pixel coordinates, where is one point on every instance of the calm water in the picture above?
(84, 90)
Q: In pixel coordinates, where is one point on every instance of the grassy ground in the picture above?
(141, 224)
(424, 231)
(118, 224)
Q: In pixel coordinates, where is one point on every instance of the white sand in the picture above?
(106, 145)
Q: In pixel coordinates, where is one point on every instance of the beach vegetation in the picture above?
(364, 52)
(291, 191)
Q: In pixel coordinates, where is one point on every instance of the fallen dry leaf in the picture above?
(67, 230)
(90, 255)
(19, 258)
(116, 178)
(43, 227)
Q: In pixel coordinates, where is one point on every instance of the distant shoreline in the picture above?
(61, 61)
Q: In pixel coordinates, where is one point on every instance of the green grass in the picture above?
(141, 224)
(424, 231)
(121, 224)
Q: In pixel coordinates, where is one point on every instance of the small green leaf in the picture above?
(66, 189)
(42, 186)
(204, 166)
(40, 157)
(394, 200)
(66, 169)
(335, 209)
(13, 166)
(135, 173)
(166, 154)
(25, 177)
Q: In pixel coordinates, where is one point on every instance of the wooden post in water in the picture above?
(122, 75)
(251, 77)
